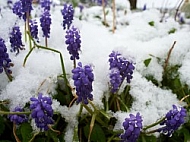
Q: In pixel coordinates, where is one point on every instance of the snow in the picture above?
(134, 38)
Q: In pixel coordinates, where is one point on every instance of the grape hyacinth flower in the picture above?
(5, 61)
(16, 39)
(115, 80)
(26, 5)
(68, 14)
(99, 2)
(174, 119)
(45, 4)
(17, 9)
(21, 7)
(45, 23)
(18, 118)
(42, 111)
(132, 127)
(34, 29)
(83, 78)
(9, 3)
(124, 66)
(74, 43)
(144, 7)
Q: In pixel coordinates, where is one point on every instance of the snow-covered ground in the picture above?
(134, 38)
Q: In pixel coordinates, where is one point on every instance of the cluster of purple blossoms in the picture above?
(21, 7)
(18, 118)
(83, 78)
(174, 119)
(45, 23)
(16, 39)
(125, 68)
(26, 5)
(144, 7)
(99, 2)
(17, 9)
(115, 79)
(74, 43)
(42, 111)
(34, 29)
(45, 4)
(5, 61)
(132, 127)
(68, 13)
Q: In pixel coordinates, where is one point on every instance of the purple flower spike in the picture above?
(68, 14)
(5, 61)
(174, 119)
(115, 79)
(132, 127)
(26, 5)
(74, 43)
(17, 9)
(124, 67)
(83, 78)
(45, 23)
(16, 40)
(42, 111)
(34, 29)
(45, 4)
(99, 2)
(21, 7)
(18, 118)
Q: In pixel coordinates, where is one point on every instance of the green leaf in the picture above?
(173, 30)
(26, 132)
(53, 136)
(97, 133)
(97, 16)
(107, 12)
(40, 140)
(2, 125)
(145, 138)
(185, 133)
(61, 137)
(147, 62)
(151, 23)
(75, 136)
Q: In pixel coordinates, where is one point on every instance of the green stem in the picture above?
(31, 140)
(25, 33)
(7, 112)
(28, 27)
(50, 49)
(74, 63)
(95, 109)
(80, 110)
(143, 139)
(87, 108)
(127, 109)
(154, 124)
(92, 124)
(115, 136)
(105, 114)
(27, 56)
(97, 118)
(46, 42)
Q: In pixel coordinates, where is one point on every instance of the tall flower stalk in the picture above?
(73, 43)
(16, 39)
(5, 61)
(114, 16)
(83, 78)
(68, 14)
(45, 25)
